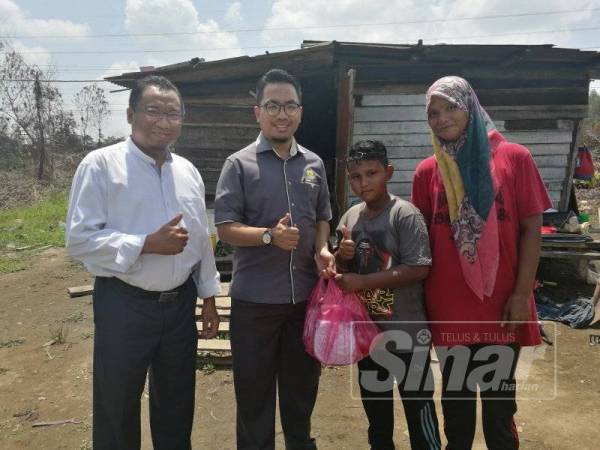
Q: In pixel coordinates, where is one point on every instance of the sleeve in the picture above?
(531, 195)
(229, 196)
(420, 195)
(86, 238)
(413, 239)
(205, 274)
(323, 203)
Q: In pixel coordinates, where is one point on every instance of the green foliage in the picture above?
(23, 230)
(36, 225)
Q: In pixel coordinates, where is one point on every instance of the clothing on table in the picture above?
(269, 290)
(257, 188)
(520, 193)
(118, 196)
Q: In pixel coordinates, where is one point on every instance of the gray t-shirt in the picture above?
(257, 188)
(397, 235)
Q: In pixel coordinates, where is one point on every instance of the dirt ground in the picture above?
(53, 382)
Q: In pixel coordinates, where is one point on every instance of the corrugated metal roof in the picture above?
(315, 56)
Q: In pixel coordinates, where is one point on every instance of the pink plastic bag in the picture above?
(337, 330)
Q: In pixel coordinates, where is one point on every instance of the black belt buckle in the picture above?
(166, 297)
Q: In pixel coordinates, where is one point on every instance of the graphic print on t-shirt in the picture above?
(369, 259)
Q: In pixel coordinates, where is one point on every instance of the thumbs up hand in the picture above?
(170, 239)
(346, 246)
(284, 236)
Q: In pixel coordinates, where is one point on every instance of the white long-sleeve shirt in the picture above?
(118, 197)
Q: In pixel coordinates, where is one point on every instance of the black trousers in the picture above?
(416, 392)
(498, 403)
(269, 358)
(136, 335)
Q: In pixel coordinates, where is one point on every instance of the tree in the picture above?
(31, 107)
(92, 108)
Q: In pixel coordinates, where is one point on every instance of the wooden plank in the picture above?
(551, 161)
(566, 254)
(553, 173)
(223, 326)
(405, 163)
(222, 312)
(548, 149)
(80, 291)
(400, 189)
(216, 345)
(372, 128)
(344, 132)
(538, 112)
(393, 99)
(389, 114)
(402, 175)
(398, 140)
(220, 302)
(539, 137)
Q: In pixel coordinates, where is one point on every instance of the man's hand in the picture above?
(346, 246)
(210, 319)
(284, 236)
(349, 282)
(325, 263)
(170, 239)
(516, 310)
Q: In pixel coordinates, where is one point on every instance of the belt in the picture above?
(161, 297)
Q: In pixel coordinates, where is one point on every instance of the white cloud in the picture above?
(14, 22)
(386, 21)
(207, 40)
(233, 15)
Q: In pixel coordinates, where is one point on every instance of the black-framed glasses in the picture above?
(157, 114)
(273, 109)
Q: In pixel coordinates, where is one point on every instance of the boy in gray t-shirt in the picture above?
(384, 256)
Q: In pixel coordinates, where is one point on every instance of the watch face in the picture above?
(266, 237)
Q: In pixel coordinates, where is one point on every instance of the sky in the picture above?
(90, 39)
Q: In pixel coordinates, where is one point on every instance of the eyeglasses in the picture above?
(157, 114)
(273, 109)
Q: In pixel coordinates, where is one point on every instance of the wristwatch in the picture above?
(267, 237)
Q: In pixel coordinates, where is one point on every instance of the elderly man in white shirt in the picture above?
(137, 220)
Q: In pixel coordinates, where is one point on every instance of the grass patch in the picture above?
(12, 343)
(23, 229)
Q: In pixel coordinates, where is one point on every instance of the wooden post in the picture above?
(345, 122)
(568, 183)
(41, 144)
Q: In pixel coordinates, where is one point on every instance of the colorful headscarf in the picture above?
(466, 169)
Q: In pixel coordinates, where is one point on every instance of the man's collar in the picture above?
(264, 145)
(139, 153)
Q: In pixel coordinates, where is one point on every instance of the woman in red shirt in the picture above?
(482, 198)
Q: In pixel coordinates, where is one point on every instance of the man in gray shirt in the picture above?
(272, 204)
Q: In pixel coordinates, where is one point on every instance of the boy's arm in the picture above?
(395, 277)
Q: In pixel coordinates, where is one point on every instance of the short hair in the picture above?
(158, 81)
(276, 76)
(368, 150)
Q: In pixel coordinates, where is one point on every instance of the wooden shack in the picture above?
(536, 94)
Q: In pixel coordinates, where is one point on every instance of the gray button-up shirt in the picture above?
(257, 188)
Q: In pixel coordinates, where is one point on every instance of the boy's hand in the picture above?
(346, 247)
(325, 263)
(349, 282)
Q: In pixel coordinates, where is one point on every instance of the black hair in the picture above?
(368, 150)
(276, 76)
(158, 81)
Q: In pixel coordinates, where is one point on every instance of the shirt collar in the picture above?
(140, 154)
(264, 145)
